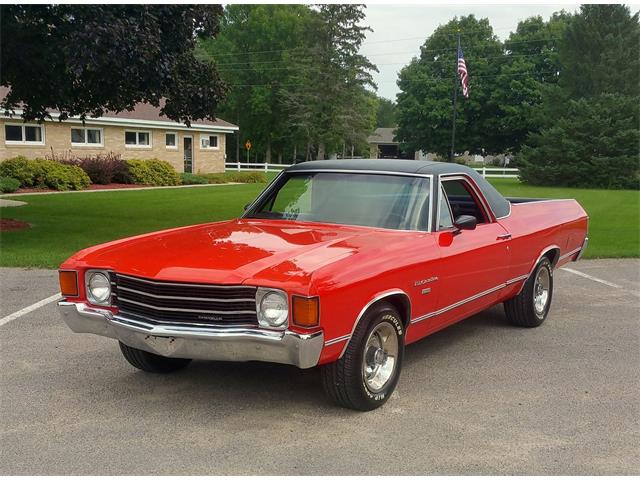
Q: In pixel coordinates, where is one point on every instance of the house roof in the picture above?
(145, 114)
(383, 136)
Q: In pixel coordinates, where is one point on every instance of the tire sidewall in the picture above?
(388, 314)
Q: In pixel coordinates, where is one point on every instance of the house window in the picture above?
(137, 139)
(208, 142)
(24, 134)
(171, 140)
(81, 137)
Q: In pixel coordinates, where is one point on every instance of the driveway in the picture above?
(480, 397)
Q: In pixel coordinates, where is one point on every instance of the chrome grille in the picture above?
(192, 303)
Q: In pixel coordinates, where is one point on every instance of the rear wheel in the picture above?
(531, 307)
(150, 362)
(368, 372)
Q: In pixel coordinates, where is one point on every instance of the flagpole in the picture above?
(455, 101)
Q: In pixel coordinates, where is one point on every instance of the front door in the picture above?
(188, 154)
(474, 267)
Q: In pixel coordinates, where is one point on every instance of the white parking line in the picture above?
(599, 280)
(30, 308)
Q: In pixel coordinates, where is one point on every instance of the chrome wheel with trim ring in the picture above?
(380, 357)
(541, 291)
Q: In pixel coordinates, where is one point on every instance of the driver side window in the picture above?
(462, 200)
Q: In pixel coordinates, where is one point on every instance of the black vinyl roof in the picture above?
(500, 206)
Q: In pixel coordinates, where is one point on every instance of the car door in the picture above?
(473, 264)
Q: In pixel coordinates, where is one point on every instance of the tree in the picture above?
(590, 134)
(386, 114)
(599, 52)
(328, 100)
(530, 63)
(593, 144)
(252, 53)
(427, 83)
(85, 59)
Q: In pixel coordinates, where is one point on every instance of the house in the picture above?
(382, 144)
(142, 133)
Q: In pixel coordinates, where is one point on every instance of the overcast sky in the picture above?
(399, 30)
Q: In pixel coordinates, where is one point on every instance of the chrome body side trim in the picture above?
(188, 341)
(572, 252)
(458, 304)
(337, 340)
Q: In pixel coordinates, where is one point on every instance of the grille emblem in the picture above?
(215, 318)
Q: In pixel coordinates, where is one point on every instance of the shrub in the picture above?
(216, 178)
(191, 179)
(9, 184)
(105, 169)
(58, 176)
(43, 173)
(102, 168)
(153, 172)
(19, 168)
(246, 177)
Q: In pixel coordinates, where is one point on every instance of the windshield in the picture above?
(382, 201)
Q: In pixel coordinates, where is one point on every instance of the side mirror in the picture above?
(465, 222)
(246, 207)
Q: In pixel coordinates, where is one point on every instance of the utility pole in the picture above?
(455, 101)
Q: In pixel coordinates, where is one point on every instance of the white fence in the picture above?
(488, 172)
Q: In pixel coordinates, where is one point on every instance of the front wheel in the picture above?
(150, 362)
(367, 374)
(531, 306)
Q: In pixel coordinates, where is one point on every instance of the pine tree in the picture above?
(591, 133)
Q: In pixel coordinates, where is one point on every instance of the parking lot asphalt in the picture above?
(480, 397)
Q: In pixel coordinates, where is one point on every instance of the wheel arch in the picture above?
(552, 252)
(396, 297)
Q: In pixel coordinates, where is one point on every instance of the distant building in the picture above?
(142, 133)
(383, 144)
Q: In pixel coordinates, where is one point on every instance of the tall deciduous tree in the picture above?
(85, 59)
(427, 83)
(252, 53)
(530, 63)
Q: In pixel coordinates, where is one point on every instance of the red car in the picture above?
(337, 264)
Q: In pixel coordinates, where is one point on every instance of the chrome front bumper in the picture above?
(206, 343)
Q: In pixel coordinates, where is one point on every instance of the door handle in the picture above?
(505, 236)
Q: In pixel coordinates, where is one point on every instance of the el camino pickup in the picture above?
(337, 264)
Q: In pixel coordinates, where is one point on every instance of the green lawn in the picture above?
(65, 223)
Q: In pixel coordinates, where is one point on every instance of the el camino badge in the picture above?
(418, 283)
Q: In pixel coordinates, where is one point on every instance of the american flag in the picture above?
(462, 72)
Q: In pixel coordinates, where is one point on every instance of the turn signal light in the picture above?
(306, 311)
(68, 283)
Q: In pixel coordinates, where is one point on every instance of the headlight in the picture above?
(272, 307)
(98, 287)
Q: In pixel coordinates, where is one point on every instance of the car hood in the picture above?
(264, 252)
